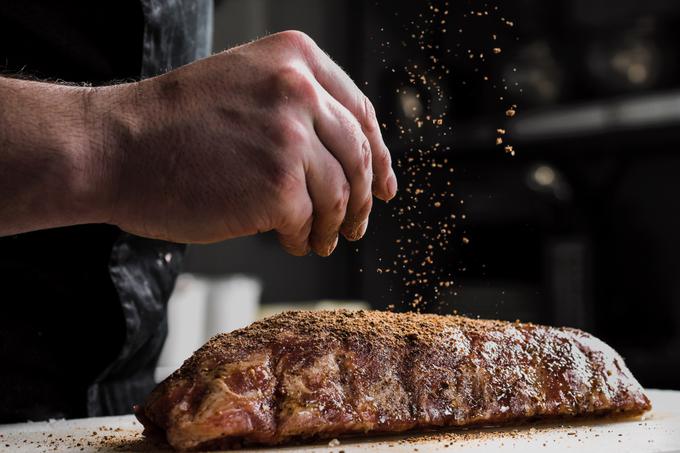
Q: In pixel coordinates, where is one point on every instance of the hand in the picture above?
(272, 135)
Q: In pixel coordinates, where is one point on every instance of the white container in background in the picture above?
(186, 323)
(233, 303)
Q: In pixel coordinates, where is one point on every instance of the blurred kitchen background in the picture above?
(580, 228)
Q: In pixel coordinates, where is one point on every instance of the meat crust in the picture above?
(314, 375)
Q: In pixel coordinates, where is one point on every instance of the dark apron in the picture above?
(83, 309)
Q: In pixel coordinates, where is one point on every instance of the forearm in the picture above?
(50, 157)
(271, 135)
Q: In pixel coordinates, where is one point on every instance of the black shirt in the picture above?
(83, 308)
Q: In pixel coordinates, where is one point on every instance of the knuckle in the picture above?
(340, 199)
(370, 116)
(288, 134)
(305, 214)
(296, 217)
(365, 209)
(355, 137)
(349, 124)
(383, 158)
(365, 158)
(295, 83)
(295, 38)
(300, 218)
(286, 185)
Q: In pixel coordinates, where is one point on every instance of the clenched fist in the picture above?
(271, 135)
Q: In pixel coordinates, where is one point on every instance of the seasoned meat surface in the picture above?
(303, 375)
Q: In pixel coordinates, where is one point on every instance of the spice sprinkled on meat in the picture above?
(321, 375)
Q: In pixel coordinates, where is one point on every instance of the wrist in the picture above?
(108, 126)
(60, 160)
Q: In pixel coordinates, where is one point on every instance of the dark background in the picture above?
(580, 228)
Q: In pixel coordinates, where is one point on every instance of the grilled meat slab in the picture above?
(313, 375)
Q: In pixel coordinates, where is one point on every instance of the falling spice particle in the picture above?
(430, 229)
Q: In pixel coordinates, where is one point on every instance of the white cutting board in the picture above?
(658, 431)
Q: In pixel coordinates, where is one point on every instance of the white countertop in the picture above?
(658, 431)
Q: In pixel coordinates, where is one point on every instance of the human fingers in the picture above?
(343, 136)
(329, 191)
(296, 213)
(344, 90)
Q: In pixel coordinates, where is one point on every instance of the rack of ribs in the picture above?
(319, 375)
